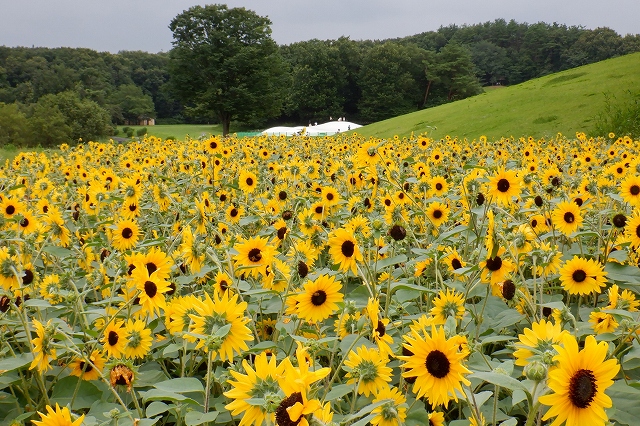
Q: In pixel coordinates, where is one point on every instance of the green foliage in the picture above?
(141, 132)
(526, 109)
(622, 117)
(130, 103)
(13, 125)
(224, 62)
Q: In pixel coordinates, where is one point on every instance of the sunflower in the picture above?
(453, 260)
(436, 418)
(537, 341)
(9, 266)
(578, 383)
(566, 217)
(344, 250)
(126, 235)
(292, 410)
(367, 368)
(582, 276)
(248, 181)
(152, 289)
(602, 322)
(10, 208)
(261, 382)
(504, 186)
(435, 362)
(393, 412)
(379, 333)
(330, 196)
(632, 229)
(192, 251)
(212, 315)
(445, 305)
(156, 262)
(437, 213)
(43, 350)
(138, 339)
(495, 269)
(113, 339)
(57, 417)
(90, 369)
(27, 223)
(254, 255)
(625, 300)
(319, 299)
(630, 190)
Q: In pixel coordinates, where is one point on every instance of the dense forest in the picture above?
(64, 94)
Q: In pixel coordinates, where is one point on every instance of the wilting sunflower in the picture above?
(578, 383)
(259, 383)
(582, 276)
(537, 340)
(367, 368)
(254, 255)
(394, 411)
(504, 185)
(57, 417)
(43, 350)
(213, 314)
(248, 181)
(437, 213)
(125, 235)
(379, 333)
(566, 217)
(445, 305)
(90, 369)
(113, 339)
(319, 299)
(344, 250)
(292, 410)
(435, 362)
(138, 339)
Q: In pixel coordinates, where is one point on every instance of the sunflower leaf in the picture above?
(194, 418)
(181, 385)
(499, 379)
(338, 391)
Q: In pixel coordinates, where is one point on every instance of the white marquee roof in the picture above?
(324, 129)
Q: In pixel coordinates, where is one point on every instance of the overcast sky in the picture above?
(114, 25)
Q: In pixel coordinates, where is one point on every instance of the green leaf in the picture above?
(501, 380)
(60, 252)
(155, 408)
(181, 385)
(9, 364)
(367, 409)
(418, 416)
(625, 402)
(401, 258)
(197, 418)
(338, 391)
(160, 395)
(86, 395)
(364, 421)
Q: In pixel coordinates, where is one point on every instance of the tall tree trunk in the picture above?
(225, 120)
(426, 94)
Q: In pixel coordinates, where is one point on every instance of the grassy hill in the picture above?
(564, 102)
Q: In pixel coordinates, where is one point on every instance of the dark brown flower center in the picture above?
(538, 200)
(113, 338)
(634, 190)
(10, 209)
(282, 415)
(303, 269)
(150, 288)
(249, 181)
(255, 255)
(437, 364)
(348, 248)
(397, 232)
(330, 196)
(127, 233)
(24, 222)
(85, 366)
(456, 264)
(439, 186)
(318, 297)
(437, 214)
(480, 199)
(579, 275)
(582, 388)
(569, 217)
(381, 329)
(619, 220)
(508, 289)
(494, 264)
(282, 195)
(281, 232)
(233, 212)
(503, 185)
(28, 277)
(319, 209)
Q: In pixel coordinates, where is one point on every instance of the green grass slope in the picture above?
(566, 102)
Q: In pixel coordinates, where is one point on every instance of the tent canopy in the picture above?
(324, 129)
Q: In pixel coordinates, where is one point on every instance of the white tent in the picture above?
(324, 129)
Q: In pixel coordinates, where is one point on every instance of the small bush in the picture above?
(126, 129)
(141, 132)
(621, 118)
(129, 132)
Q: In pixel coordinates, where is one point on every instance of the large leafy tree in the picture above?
(224, 62)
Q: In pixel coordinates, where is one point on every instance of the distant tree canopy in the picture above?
(224, 66)
(224, 61)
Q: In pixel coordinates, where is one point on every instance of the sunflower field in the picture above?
(322, 281)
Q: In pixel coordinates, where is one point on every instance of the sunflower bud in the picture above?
(535, 370)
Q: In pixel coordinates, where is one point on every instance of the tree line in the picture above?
(48, 96)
